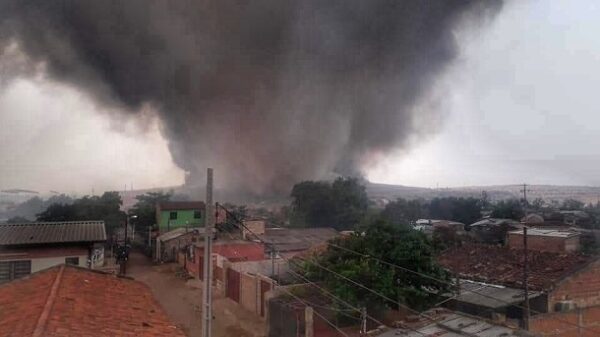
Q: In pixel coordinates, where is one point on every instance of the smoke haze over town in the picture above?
(279, 92)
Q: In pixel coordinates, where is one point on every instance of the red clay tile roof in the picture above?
(501, 265)
(70, 301)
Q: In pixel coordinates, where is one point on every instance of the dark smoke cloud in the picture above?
(267, 92)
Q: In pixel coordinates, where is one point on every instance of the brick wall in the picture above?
(565, 324)
(583, 288)
(536, 242)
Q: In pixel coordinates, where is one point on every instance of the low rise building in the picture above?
(549, 240)
(65, 301)
(176, 214)
(291, 241)
(170, 243)
(564, 281)
(30, 247)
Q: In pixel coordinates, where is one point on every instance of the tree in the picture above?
(405, 212)
(17, 219)
(465, 210)
(341, 204)
(508, 209)
(145, 209)
(572, 205)
(106, 208)
(395, 244)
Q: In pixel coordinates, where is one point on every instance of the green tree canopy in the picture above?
(405, 212)
(144, 209)
(465, 210)
(395, 244)
(106, 207)
(341, 204)
(508, 209)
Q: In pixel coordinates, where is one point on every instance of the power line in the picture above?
(339, 275)
(446, 282)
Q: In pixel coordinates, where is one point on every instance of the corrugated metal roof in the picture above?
(456, 325)
(179, 232)
(52, 232)
(547, 232)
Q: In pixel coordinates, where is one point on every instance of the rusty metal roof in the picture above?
(52, 232)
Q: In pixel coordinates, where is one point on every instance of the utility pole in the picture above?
(526, 281)
(207, 274)
(524, 191)
(363, 322)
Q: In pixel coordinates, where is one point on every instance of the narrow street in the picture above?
(182, 301)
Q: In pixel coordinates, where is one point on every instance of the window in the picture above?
(74, 261)
(197, 215)
(173, 216)
(11, 270)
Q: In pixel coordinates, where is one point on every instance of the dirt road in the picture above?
(182, 301)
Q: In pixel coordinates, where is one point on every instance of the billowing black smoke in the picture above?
(267, 92)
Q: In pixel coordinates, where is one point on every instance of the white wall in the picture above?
(38, 264)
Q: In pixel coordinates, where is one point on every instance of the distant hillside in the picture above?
(586, 194)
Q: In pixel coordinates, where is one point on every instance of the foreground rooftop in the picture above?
(70, 301)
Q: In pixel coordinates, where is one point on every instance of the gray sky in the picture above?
(521, 104)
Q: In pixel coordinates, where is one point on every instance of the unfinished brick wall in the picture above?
(538, 243)
(565, 324)
(583, 288)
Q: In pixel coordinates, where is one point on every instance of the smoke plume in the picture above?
(268, 92)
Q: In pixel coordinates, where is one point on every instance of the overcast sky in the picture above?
(521, 102)
(523, 106)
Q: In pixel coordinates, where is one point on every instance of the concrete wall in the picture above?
(263, 267)
(38, 264)
(583, 288)
(566, 324)
(254, 227)
(544, 243)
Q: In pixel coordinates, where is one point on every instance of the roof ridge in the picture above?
(43, 319)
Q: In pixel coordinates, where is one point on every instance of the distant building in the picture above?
(492, 230)
(545, 240)
(30, 247)
(65, 301)
(291, 241)
(176, 214)
(428, 226)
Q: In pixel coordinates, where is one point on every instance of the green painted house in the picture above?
(177, 214)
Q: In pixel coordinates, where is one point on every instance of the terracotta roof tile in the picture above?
(85, 303)
(501, 265)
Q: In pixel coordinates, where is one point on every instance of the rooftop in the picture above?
(180, 205)
(72, 301)
(179, 232)
(52, 232)
(450, 324)
(489, 295)
(296, 239)
(504, 266)
(547, 232)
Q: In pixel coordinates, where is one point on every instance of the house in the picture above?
(492, 230)
(64, 301)
(176, 214)
(169, 243)
(231, 250)
(30, 247)
(549, 240)
(564, 281)
(291, 241)
(444, 323)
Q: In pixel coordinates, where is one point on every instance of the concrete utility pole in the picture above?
(209, 223)
(363, 323)
(309, 328)
(525, 281)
